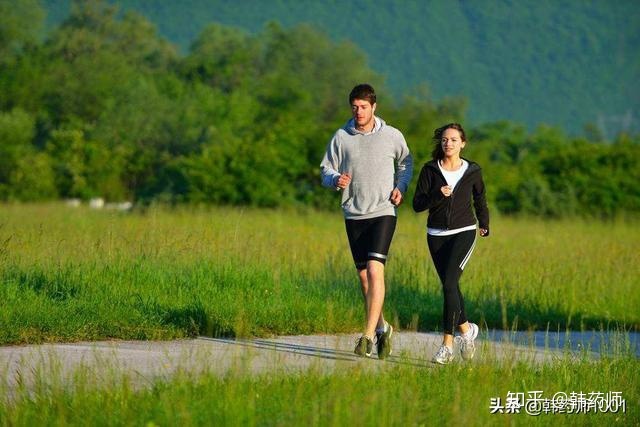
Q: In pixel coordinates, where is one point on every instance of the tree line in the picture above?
(528, 61)
(104, 106)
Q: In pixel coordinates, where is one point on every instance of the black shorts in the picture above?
(370, 239)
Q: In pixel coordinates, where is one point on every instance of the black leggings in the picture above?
(450, 255)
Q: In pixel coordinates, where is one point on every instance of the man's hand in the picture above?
(343, 181)
(396, 197)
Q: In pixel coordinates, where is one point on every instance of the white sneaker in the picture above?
(466, 342)
(443, 356)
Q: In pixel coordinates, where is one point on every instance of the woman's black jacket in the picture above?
(453, 211)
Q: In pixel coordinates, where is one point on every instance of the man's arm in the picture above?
(331, 164)
(404, 171)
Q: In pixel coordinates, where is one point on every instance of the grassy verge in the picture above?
(76, 274)
(401, 395)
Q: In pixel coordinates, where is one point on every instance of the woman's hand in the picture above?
(484, 232)
(447, 190)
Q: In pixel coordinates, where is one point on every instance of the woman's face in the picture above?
(452, 142)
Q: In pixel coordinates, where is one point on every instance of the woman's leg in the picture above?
(450, 254)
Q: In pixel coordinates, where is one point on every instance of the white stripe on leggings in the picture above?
(468, 255)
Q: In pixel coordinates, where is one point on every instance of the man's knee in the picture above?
(375, 270)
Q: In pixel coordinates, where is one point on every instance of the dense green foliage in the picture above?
(103, 106)
(69, 274)
(562, 63)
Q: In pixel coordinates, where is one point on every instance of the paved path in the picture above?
(146, 361)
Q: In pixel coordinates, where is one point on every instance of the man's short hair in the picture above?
(363, 91)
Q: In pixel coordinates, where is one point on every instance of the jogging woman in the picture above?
(447, 187)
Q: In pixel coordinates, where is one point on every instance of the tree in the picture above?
(25, 174)
(20, 25)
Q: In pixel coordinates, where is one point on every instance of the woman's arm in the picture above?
(426, 196)
(480, 204)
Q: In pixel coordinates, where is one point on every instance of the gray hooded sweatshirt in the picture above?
(371, 160)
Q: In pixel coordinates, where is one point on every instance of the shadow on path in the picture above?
(320, 352)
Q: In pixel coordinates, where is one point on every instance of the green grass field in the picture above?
(76, 274)
(402, 395)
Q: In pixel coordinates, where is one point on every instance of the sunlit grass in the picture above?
(395, 395)
(77, 274)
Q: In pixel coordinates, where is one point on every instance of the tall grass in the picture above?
(357, 396)
(76, 274)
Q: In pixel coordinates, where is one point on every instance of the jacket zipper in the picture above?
(450, 207)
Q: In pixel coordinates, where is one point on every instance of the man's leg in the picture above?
(380, 235)
(369, 241)
(363, 275)
(364, 285)
(374, 297)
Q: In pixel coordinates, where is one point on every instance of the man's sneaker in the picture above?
(466, 341)
(383, 342)
(364, 346)
(443, 356)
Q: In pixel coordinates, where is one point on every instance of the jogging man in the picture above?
(370, 162)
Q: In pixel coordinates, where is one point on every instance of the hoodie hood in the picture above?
(350, 126)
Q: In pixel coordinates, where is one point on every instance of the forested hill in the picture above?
(564, 63)
(103, 106)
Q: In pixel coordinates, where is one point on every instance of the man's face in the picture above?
(362, 112)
